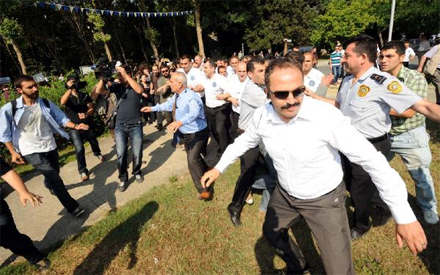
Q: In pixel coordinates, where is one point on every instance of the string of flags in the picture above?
(135, 14)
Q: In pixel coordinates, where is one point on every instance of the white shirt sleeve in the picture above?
(357, 149)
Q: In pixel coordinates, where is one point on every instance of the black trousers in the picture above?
(234, 125)
(47, 163)
(12, 239)
(219, 124)
(248, 165)
(194, 144)
(364, 193)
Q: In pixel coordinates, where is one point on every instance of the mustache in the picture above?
(288, 105)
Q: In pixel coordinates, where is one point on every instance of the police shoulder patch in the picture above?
(394, 87)
(363, 90)
(378, 78)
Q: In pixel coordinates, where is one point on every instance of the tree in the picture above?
(151, 33)
(11, 30)
(197, 7)
(98, 33)
(272, 21)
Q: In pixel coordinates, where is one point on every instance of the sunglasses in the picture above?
(284, 94)
(164, 71)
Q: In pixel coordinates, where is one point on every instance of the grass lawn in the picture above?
(168, 231)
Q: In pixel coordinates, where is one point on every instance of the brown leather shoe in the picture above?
(205, 195)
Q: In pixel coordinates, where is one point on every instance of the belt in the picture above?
(378, 139)
(215, 108)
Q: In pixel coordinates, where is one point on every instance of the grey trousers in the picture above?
(327, 218)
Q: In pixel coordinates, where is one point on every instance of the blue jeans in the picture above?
(266, 182)
(47, 163)
(413, 148)
(122, 133)
(336, 71)
(78, 139)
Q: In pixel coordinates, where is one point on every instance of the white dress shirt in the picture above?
(193, 78)
(236, 88)
(305, 154)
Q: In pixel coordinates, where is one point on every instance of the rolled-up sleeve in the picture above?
(6, 123)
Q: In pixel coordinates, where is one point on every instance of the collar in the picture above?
(303, 113)
(403, 73)
(366, 74)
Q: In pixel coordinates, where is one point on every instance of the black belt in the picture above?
(216, 108)
(378, 139)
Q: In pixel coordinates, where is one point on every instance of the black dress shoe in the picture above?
(356, 235)
(305, 270)
(235, 217)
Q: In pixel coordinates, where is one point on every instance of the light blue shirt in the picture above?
(189, 110)
(53, 115)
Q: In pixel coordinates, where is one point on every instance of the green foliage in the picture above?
(342, 20)
(98, 25)
(10, 29)
(275, 20)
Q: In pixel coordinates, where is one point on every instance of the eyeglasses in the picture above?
(284, 94)
(164, 71)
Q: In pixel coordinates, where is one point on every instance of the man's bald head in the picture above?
(241, 71)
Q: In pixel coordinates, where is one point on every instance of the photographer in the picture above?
(128, 123)
(79, 109)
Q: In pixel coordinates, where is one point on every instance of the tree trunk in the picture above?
(12, 57)
(199, 28)
(173, 26)
(379, 33)
(141, 41)
(151, 39)
(119, 41)
(108, 52)
(19, 57)
(80, 29)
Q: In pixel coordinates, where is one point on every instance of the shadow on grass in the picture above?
(127, 233)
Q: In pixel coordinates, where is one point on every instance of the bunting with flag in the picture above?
(134, 14)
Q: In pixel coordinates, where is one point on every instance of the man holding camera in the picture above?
(128, 123)
(79, 109)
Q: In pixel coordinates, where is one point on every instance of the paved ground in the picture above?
(48, 224)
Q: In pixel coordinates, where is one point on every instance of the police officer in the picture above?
(366, 97)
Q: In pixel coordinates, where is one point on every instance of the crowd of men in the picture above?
(302, 149)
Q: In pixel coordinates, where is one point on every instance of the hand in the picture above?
(173, 126)
(17, 158)
(70, 83)
(82, 126)
(81, 115)
(121, 70)
(161, 89)
(221, 97)
(420, 70)
(309, 92)
(209, 177)
(146, 109)
(145, 95)
(234, 101)
(327, 80)
(30, 197)
(413, 235)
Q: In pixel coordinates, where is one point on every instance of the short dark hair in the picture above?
(22, 78)
(164, 67)
(364, 44)
(144, 66)
(295, 56)
(233, 57)
(127, 68)
(396, 45)
(211, 62)
(281, 63)
(185, 56)
(221, 67)
(250, 66)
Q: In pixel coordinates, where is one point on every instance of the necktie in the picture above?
(175, 106)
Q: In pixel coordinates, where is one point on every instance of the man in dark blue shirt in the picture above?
(128, 123)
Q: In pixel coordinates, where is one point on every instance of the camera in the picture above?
(77, 85)
(104, 69)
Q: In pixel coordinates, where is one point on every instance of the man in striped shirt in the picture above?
(335, 63)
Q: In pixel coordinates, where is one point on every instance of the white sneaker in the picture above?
(430, 217)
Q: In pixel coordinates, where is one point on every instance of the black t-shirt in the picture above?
(129, 109)
(76, 105)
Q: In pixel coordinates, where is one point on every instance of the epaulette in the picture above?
(378, 78)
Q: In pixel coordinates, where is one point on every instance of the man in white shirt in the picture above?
(312, 77)
(217, 109)
(409, 54)
(193, 75)
(237, 85)
(304, 146)
(423, 47)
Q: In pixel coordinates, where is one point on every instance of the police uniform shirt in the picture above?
(215, 86)
(313, 79)
(305, 153)
(368, 101)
